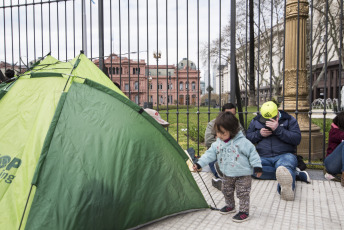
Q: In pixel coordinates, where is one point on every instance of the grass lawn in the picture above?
(179, 121)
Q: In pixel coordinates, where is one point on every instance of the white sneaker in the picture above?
(285, 180)
(304, 176)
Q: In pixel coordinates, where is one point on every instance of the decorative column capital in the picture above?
(291, 9)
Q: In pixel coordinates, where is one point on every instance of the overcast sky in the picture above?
(59, 36)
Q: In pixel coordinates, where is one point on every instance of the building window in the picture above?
(136, 85)
(134, 70)
(161, 100)
(137, 99)
(159, 73)
(181, 64)
(151, 98)
(193, 85)
(169, 99)
(160, 86)
(181, 86)
(151, 86)
(126, 87)
(117, 70)
(121, 70)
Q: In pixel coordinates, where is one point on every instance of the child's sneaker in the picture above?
(285, 180)
(227, 210)
(240, 217)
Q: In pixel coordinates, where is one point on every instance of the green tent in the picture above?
(76, 153)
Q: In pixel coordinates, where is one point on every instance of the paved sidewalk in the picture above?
(319, 205)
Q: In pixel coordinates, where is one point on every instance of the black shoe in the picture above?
(227, 210)
(240, 217)
(217, 168)
(217, 183)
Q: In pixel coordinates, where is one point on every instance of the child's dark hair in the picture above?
(227, 121)
(339, 120)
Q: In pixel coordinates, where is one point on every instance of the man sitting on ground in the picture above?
(276, 135)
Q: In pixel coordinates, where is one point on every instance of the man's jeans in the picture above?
(212, 168)
(270, 164)
(334, 163)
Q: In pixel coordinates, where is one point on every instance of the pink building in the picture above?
(164, 80)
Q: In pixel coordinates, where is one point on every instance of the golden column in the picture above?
(299, 86)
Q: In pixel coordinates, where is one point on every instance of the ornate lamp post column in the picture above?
(296, 76)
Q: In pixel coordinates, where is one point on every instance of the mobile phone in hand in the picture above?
(268, 128)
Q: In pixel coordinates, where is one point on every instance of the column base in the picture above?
(316, 145)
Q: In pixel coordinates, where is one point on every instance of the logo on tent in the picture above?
(7, 164)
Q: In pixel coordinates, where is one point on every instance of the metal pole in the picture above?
(101, 34)
(232, 72)
(84, 28)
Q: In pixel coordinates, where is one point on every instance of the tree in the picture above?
(331, 17)
(260, 39)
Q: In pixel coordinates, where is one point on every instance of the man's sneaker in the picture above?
(240, 217)
(285, 180)
(303, 175)
(217, 183)
(217, 168)
(227, 210)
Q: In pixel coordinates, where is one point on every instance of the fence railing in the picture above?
(177, 56)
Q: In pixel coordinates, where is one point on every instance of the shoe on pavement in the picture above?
(241, 217)
(285, 180)
(303, 175)
(226, 210)
(218, 170)
(217, 183)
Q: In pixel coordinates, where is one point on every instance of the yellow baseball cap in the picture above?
(268, 110)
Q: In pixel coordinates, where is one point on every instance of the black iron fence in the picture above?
(177, 56)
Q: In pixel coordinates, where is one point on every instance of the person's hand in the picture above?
(258, 174)
(195, 167)
(272, 124)
(265, 132)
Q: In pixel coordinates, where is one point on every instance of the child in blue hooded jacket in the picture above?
(237, 158)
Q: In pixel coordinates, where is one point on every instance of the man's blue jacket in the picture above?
(284, 139)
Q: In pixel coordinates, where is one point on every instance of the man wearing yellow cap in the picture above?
(276, 135)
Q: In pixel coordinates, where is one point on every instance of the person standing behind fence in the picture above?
(334, 161)
(210, 137)
(276, 135)
(237, 158)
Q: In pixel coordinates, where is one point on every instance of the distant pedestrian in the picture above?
(237, 159)
(334, 161)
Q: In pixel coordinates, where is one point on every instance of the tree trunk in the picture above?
(252, 98)
(238, 95)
